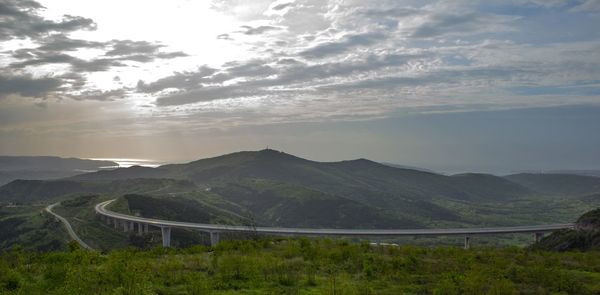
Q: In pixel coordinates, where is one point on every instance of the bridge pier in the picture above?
(467, 242)
(537, 237)
(145, 228)
(116, 223)
(131, 225)
(166, 236)
(214, 238)
(140, 229)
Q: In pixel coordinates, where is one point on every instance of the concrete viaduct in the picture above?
(131, 223)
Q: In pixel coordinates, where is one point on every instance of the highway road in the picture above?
(70, 230)
(101, 209)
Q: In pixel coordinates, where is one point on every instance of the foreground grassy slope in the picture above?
(301, 266)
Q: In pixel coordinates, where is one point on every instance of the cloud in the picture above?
(439, 24)
(206, 94)
(27, 86)
(249, 30)
(183, 80)
(100, 95)
(60, 42)
(588, 6)
(224, 37)
(348, 42)
(51, 52)
(192, 89)
(282, 6)
(20, 19)
(129, 47)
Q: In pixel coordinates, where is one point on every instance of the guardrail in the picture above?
(129, 223)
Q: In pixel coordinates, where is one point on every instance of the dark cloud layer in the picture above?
(26, 85)
(19, 19)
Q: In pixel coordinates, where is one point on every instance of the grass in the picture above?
(301, 266)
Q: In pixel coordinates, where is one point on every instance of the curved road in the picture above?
(101, 209)
(68, 226)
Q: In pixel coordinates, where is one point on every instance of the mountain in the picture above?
(31, 191)
(589, 172)
(284, 204)
(558, 184)
(132, 172)
(23, 167)
(361, 179)
(278, 189)
(491, 186)
(383, 192)
(409, 167)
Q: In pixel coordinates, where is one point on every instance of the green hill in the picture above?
(29, 191)
(361, 180)
(585, 236)
(273, 188)
(558, 184)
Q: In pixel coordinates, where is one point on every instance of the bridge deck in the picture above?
(101, 209)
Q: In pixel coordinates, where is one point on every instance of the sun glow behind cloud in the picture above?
(187, 26)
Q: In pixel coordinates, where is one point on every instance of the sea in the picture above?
(128, 162)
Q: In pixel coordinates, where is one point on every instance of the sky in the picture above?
(486, 86)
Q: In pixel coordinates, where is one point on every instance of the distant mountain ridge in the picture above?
(45, 167)
(280, 189)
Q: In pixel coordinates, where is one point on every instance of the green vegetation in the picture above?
(271, 188)
(31, 227)
(80, 213)
(300, 266)
(585, 236)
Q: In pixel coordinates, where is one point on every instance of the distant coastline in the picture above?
(127, 162)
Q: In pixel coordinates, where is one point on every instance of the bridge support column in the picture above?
(140, 229)
(115, 223)
(107, 220)
(145, 228)
(166, 236)
(125, 226)
(467, 242)
(131, 226)
(214, 238)
(537, 237)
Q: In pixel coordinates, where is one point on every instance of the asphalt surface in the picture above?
(70, 230)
